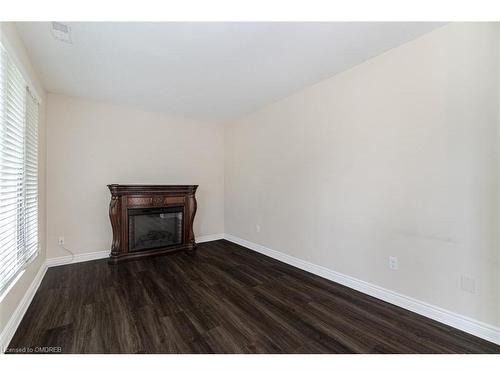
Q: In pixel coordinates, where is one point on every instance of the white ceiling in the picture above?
(204, 71)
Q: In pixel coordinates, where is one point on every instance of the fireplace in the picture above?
(151, 220)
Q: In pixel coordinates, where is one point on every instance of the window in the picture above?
(18, 172)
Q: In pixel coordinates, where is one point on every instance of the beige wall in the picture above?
(396, 156)
(92, 144)
(11, 300)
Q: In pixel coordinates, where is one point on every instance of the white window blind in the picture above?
(18, 172)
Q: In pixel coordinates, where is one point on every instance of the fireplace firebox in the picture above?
(151, 228)
(151, 220)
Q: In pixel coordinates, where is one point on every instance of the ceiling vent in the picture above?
(62, 32)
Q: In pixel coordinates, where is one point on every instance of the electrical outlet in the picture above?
(60, 240)
(393, 263)
(468, 284)
(257, 228)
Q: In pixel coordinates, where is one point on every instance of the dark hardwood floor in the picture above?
(224, 299)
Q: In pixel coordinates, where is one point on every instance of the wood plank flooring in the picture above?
(224, 299)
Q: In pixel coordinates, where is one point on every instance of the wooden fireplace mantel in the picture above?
(125, 197)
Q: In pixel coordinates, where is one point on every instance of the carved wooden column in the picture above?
(191, 207)
(114, 216)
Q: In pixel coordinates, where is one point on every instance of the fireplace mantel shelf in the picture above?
(117, 189)
(125, 198)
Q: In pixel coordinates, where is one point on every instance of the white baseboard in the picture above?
(69, 259)
(11, 327)
(210, 237)
(463, 323)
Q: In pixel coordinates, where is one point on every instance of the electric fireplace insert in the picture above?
(151, 228)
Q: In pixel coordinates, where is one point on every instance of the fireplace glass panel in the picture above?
(154, 228)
